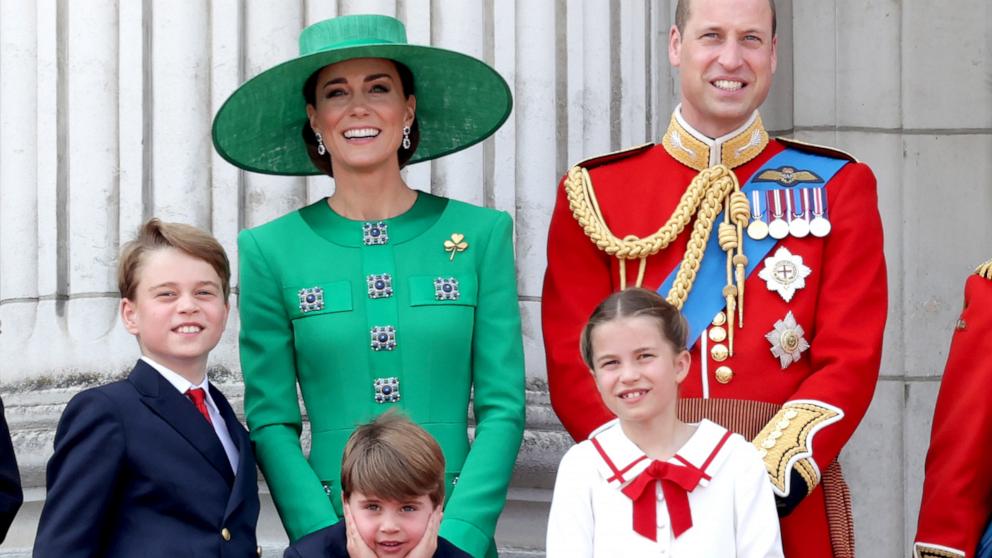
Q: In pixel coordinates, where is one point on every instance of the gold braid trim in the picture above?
(925, 550)
(704, 197)
(985, 270)
(786, 440)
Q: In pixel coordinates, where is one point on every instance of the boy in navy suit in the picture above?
(392, 491)
(157, 464)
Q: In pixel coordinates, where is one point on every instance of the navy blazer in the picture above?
(332, 542)
(11, 496)
(137, 471)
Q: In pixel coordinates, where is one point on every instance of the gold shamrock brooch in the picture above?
(455, 244)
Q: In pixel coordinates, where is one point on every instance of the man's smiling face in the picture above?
(726, 58)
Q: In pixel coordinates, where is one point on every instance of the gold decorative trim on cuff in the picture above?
(787, 442)
(926, 550)
(808, 471)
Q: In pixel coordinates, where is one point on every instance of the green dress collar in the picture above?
(347, 232)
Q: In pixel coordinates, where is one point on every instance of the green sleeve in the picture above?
(498, 383)
(271, 406)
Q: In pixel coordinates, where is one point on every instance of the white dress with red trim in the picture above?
(711, 499)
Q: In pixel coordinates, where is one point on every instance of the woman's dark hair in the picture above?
(631, 303)
(323, 162)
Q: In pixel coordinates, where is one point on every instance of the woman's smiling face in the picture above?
(360, 112)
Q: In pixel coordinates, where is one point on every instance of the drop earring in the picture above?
(321, 150)
(406, 137)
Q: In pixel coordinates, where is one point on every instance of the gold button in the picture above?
(718, 334)
(720, 319)
(225, 534)
(719, 353)
(961, 324)
(724, 374)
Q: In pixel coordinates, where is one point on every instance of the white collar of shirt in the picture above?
(631, 461)
(181, 383)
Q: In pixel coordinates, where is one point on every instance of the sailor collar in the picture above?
(621, 461)
(693, 149)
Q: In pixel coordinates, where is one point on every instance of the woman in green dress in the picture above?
(379, 296)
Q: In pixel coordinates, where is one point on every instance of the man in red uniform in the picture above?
(785, 292)
(957, 490)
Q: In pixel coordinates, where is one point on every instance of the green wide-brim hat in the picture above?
(460, 100)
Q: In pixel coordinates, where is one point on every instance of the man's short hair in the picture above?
(393, 459)
(155, 235)
(682, 15)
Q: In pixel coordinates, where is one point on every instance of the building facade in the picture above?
(105, 114)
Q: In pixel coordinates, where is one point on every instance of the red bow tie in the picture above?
(676, 483)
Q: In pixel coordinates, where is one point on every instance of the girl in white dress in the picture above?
(648, 484)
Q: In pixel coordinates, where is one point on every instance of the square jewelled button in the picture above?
(446, 289)
(387, 390)
(380, 286)
(375, 233)
(311, 299)
(383, 338)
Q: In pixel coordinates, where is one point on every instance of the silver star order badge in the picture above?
(785, 273)
(787, 340)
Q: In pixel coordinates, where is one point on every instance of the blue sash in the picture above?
(985, 545)
(706, 297)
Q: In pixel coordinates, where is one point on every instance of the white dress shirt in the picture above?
(220, 426)
(733, 512)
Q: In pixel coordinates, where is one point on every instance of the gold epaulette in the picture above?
(985, 270)
(818, 149)
(600, 160)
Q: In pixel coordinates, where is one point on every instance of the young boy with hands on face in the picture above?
(392, 491)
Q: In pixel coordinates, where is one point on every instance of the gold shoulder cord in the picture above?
(711, 190)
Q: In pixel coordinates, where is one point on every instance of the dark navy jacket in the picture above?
(137, 471)
(10, 480)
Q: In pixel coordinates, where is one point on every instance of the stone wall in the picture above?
(105, 111)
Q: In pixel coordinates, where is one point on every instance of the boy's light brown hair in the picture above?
(155, 235)
(394, 459)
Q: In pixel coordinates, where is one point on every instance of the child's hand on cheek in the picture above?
(428, 543)
(356, 545)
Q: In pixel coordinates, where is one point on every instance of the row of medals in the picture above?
(778, 213)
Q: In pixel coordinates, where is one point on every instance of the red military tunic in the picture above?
(806, 411)
(957, 490)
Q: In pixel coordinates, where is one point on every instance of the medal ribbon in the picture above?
(706, 297)
(676, 483)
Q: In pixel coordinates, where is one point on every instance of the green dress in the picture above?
(414, 312)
